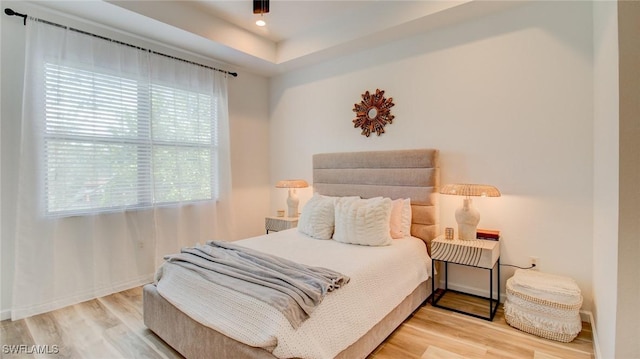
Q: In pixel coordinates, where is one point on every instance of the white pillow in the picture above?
(317, 217)
(363, 221)
(400, 218)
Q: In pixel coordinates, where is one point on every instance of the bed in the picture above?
(394, 174)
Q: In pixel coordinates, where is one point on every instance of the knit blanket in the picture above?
(292, 288)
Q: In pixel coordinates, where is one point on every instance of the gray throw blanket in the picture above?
(292, 288)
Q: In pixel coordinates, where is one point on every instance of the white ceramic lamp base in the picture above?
(292, 203)
(468, 218)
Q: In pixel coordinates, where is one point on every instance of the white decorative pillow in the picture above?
(400, 218)
(363, 221)
(317, 217)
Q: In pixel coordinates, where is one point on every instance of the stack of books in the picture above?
(490, 234)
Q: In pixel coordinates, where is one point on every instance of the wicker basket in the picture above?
(543, 304)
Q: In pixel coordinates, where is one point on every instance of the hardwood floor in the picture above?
(434, 333)
(107, 327)
(112, 327)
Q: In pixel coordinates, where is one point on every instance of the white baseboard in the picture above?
(594, 332)
(5, 314)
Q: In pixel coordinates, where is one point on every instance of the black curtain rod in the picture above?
(10, 12)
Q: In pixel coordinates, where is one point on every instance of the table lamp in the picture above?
(292, 199)
(467, 216)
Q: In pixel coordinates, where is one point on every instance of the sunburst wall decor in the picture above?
(373, 113)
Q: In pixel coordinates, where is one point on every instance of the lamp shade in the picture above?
(476, 190)
(292, 183)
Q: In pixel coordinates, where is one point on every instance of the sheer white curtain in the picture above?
(124, 158)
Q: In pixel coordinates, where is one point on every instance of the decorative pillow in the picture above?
(407, 217)
(400, 218)
(363, 221)
(317, 217)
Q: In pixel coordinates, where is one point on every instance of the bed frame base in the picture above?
(194, 340)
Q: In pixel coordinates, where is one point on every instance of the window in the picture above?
(112, 142)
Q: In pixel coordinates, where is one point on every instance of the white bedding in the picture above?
(381, 277)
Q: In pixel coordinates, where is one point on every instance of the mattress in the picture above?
(381, 278)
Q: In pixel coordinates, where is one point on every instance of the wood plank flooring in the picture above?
(112, 327)
(434, 333)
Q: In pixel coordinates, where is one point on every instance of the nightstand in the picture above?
(279, 223)
(481, 253)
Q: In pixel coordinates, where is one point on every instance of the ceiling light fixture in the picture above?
(261, 7)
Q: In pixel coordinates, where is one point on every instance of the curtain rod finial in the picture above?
(10, 12)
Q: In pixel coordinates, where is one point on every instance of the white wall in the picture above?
(508, 101)
(606, 168)
(249, 125)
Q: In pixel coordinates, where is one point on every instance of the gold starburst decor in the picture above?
(373, 113)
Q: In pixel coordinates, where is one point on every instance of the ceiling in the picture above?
(298, 33)
(285, 19)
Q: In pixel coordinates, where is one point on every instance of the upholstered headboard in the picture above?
(395, 174)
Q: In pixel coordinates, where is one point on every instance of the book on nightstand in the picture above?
(490, 234)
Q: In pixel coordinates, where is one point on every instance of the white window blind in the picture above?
(114, 142)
